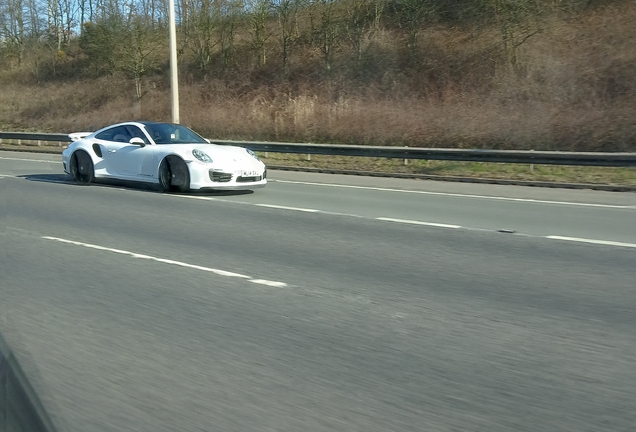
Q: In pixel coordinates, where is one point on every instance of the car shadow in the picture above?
(48, 178)
(66, 179)
(212, 192)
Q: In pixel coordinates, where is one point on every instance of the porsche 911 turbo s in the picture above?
(171, 156)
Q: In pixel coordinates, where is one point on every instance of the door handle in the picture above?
(111, 151)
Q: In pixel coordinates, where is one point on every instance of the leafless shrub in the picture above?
(573, 88)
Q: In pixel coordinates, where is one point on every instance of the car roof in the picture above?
(143, 123)
(152, 123)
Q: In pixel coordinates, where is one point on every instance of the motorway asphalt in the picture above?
(295, 308)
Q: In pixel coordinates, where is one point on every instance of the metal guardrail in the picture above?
(466, 155)
(30, 136)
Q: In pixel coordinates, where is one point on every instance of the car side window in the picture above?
(118, 134)
(157, 135)
(106, 135)
(135, 132)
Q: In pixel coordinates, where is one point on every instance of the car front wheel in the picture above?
(174, 175)
(81, 167)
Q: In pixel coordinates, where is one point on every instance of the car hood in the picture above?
(220, 154)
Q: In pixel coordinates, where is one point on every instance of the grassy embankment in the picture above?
(572, 87)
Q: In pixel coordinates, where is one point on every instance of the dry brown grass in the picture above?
(575, 89)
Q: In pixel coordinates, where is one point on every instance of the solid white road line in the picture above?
(195, 197)
(599, 242)
(168, 261)
(414, 222)
(31, 160)
(497, 198)
(490, 197)
(306, 210)
(269, 283)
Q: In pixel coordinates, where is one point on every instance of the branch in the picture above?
(525, 39)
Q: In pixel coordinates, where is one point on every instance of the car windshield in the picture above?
(169, 133)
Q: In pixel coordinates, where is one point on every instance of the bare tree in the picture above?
(378, 10)
(517, 22)
(141, 41)
(100, 41)
(287, 12)
(229, 15)
(412, 17)
(326, 28)
(199, 31)
(35, 19)
(259, 12)
(358, 18)
(13, 30)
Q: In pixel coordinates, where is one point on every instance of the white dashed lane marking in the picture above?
(169, 261)
(269, 283)
(592, 241)
(383, 219)
(414, 222)
(280, 207)
(458, 195)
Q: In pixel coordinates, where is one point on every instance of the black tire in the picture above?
(174, 175)
(82, 169)
(164, 176)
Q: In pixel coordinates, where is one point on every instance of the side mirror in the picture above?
(137, 141)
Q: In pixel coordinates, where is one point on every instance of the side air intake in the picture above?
(97, 149)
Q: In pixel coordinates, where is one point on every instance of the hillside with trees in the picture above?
(528, 74)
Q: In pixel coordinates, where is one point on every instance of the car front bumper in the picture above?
(218, 179)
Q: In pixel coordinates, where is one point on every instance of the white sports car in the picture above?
(169, 155)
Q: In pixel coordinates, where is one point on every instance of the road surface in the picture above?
(320, 303)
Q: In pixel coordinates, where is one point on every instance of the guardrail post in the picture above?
(532, 165)
(308, 156)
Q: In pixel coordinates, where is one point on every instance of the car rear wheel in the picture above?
(174, 175)
(82, 168)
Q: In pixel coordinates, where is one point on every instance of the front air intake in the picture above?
(220, 177)
(248, 179)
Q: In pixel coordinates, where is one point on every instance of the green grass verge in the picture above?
(485, 170)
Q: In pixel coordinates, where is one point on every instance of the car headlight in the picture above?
(202, 156)
(251, 153)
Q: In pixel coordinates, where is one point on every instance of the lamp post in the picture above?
(174, 82)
